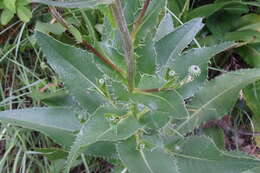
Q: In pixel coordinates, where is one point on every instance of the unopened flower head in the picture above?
(194, 70)
(101, 81)
(177, 148)
(112, 118)
(142, 146)
(171, 73)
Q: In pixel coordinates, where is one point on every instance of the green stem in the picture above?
(127, 42)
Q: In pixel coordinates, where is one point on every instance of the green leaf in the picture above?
(146, 56)
(57, 123)
(256, 4)
(244, 35)
(149, 21)
(74, 3)
(24, 13)
(165, 27)
(58, 99)
(75, 32)
(22, 3)
(252, 97)
(145, 160)
(217, 134)
(131, 9)
(55, 28)
(98, 128)
(52, 153)
(207, 104)
(201, 155)
(255, 170)
(150, 81)
(172, 44)
(2, 4)
(219, 25)
(209, 9)
(250, 55)
(105, 150)
(6, 16)
(199, 57)
(163, 106)
(76, 68)
(249, 21)
(10, 5)
(176, 6)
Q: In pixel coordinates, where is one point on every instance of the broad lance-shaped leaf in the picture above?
(98, 128)
(172, 44)
(163, 106)
(131, 9)
(76, 68)
(146, 61)
(74, 3)
(150, 18)
(200, 155)
(145, 160)
(57, 123)
(217, 97)
(165, 27)
(103, 149)
(199, 57)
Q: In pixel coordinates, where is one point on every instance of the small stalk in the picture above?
(127, 41)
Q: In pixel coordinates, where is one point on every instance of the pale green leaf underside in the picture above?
(217, 97)
(74, 3)
(146, 160)
(77, 70)
(201, 155)
(57, 123)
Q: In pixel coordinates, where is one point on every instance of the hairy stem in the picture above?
(127, 41)
(139, 20)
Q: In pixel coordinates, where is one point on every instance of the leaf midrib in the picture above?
(209, 102)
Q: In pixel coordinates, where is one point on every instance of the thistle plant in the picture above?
(135, 93)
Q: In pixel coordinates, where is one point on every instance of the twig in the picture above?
(56, 15)
(140, 18)
(127, 41)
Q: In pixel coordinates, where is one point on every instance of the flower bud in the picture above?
(194, 70)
